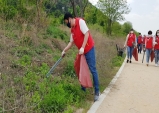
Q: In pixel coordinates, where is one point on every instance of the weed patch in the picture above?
(117, 61)
(60, 96)
(53, 31)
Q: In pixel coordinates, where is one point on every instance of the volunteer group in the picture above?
(147, 43)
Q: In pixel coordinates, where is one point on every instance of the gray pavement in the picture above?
(134, 90)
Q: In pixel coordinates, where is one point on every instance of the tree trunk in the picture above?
(82, 4)
(74, 8)
(109, 27)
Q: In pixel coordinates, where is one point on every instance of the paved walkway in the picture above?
(135, 89)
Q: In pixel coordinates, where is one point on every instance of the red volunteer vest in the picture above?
(157, 45)
(139, 39)
(78, 37)
(131, 39)
(149, 42)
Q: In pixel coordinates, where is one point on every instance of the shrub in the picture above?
(56, 32)
(69, 70)
(117, 61)
(25, 60)
(9, 12)
(61, 95)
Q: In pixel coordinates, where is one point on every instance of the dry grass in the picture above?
(105, 51)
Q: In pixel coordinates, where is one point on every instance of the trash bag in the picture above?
(135, 54)
(77, 65)
(82, 71)
(152, 55)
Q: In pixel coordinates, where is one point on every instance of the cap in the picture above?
(67, 15)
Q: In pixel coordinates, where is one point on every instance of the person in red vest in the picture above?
(156, 48)
(81, 37)
(148, 46)
(139, 43)
(130, 43)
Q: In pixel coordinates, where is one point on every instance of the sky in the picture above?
(144, 15)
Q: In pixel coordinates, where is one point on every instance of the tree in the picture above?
(79, 7)
(117, 29)
(114, 10)
(91, 17)
(126, 27)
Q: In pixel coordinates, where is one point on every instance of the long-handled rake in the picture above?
(53, 67)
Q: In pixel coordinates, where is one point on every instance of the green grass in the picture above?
(29, 63)
(117, 61)
(55, 32)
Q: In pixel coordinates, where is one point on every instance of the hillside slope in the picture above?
(26, 55)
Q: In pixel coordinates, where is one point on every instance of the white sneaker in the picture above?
(156, 65)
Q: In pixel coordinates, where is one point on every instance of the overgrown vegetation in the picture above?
(24, 86)
(32, 37)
